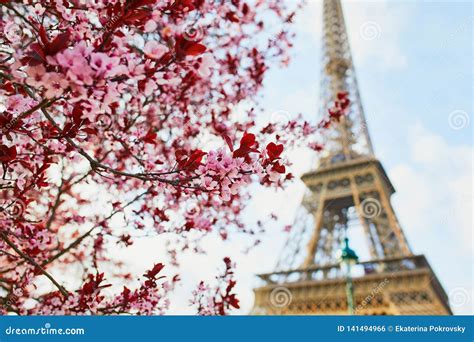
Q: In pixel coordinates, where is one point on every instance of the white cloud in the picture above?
(434, 203)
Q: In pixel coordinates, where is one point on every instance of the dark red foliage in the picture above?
(7, 154)
(274, 151)
(151, 274)
(248, 144)
(191, 162)
(111, 130)
(185, 47)
(45, 47)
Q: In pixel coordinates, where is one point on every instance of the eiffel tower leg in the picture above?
(394, 224)
(368, 233)
(312, 245)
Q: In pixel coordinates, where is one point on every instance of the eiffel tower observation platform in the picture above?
(391, 286)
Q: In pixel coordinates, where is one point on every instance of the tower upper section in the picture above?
(349, 139)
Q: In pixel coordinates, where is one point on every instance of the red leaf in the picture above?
(342, 96)
(194, 160)
(7, 154)
(228, 140)
(194, 49)
(248, 140)
(184, 47)
(191, 163)
(233, 301)
(151, 274)
(77, 114)
(150, 137)
(247, 145)
(231, 16)
(43, 36)
(230, 286)
(58, 44)
(8, 87)
(274, 151)
(278, 168)
(35, 56)
(228, 262)
(143, 3)
(136, 17)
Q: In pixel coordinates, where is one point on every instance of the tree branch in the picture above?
(30, 260)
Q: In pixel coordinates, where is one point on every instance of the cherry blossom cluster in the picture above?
(218, 299)
(118, 121)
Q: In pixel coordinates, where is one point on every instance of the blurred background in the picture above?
(414, 66)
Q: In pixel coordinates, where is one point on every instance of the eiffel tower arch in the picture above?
(348, 188)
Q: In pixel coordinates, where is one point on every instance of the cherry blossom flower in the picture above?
(207, 61)
(154, 49)
(106, 111)
(55, 85)
(150, 26)
(36, 75)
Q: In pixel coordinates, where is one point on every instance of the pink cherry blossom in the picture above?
(150, 26)
(207, 62)
(36, 76)
(116, 125)
(55, 85)
(155, 50)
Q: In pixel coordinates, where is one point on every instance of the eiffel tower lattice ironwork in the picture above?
(348, 189)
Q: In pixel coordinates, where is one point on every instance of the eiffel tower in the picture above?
(349, 191)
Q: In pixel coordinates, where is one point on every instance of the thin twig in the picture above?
(5, 238)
